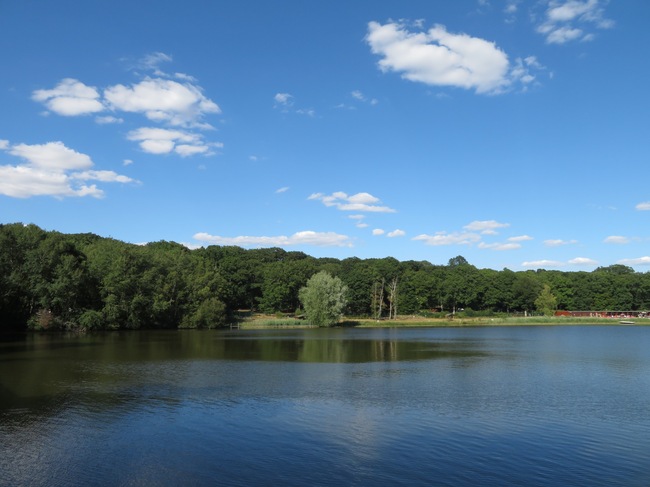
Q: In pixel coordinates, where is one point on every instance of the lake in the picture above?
(488, 406)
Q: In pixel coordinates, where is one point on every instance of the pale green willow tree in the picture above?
(323, 299)
(546, 302)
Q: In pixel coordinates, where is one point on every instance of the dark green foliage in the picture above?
(50, 281)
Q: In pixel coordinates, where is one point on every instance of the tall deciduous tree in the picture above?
(323, 299)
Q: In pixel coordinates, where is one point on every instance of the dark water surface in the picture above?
(504, 406)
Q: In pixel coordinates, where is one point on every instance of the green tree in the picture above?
(546, 302)
(323, 299)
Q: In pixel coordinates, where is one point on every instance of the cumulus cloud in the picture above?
(163, 100)
(441, 58)
(378, 231)
(617, 239)
(485, 227)
(364, 202)
(566, 20)
(444, 238)
(307, 237)
(70, 98)
(52, 169)
(164, 141)
(396, 233)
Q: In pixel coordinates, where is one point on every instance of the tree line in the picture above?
(51, 280)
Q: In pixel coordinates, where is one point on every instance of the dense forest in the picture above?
(50, 280)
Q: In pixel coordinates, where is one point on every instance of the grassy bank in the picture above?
(255, 321)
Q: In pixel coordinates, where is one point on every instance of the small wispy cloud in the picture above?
(644, 206)
(363, 202)
(617, 239)
(485, 227)
(583, 261)
(559, 242)
(444, 238)
(638, 261)
(284, 189)
(520, 238)
(500, 246)
(283, 99)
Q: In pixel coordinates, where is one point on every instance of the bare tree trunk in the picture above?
(392, 299)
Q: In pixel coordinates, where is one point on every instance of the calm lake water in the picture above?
(503, 406)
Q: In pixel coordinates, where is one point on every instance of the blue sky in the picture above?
(514, 133)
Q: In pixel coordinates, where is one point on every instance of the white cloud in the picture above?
(284, 99)
(356, 217)
(160, 99)
(52, 156)
(163, 100)
(310, 112)
(186, 150)
(485, 227)
(583, 261)
(444, 238)
(52, 169)
(543, 263)
(127, 162)
(645, 206)
(500, 246)
(156, 140)
(361, 225)
(439, 58)
(559, 242)
(359, 96)
(4, 144)
(378, 231)
(152, 61)
(70, 98)
(364, 202)
(282, 190)
(396, 233)
(511, 7)
(616, 239)
(639, 261)
(565, 20)
(308, 237)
